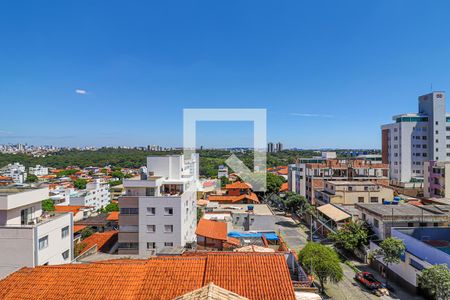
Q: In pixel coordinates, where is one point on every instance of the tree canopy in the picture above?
(295, 202)
(322, 261)
(436, 280)
(80, 183)
(48, 205)
(390, 251)
(32, 178)
(113, 206)
(351, 236)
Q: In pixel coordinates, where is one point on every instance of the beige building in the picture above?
(352, 192)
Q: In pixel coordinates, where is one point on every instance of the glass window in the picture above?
(168, 211)
(151, 211)
(168, 244)
(168, 228)
(151, 245)
(43, 242)
(65, 232)
(129, 245)
(65, 255)
(129, 211)
(151, 228)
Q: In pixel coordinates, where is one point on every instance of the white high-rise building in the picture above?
(38, 170)
(16, 171)
(416, 138)
(160, 209)
(96, 195)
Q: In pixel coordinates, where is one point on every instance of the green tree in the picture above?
(48, 205)
(351, 236)
(79, 247)
(224, 181)
(111, 207)
(199, 214)
(436, 280)
(390, 251)
(322, 261)
(32, 178)
(86, 232)
(117, 174)
(295, 202)
(80, 183)
(274, 183)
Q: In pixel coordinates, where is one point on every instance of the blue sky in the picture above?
(329, 73)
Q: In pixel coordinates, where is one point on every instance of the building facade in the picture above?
(160, 209)
(15, 171)
(352, 192)
(436, 179)
(416, 138)
(28, 236)
(96, 195)
(38, 170)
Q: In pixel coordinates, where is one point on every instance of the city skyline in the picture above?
(94, 81)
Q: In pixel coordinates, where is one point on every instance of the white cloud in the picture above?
(5, 132)
(81, 92)
(312, 115)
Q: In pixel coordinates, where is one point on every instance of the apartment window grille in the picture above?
(168, 211)
(43, 242)
(65, 232)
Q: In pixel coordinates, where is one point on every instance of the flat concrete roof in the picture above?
(354, 182)
(396, 210)
(258, 209)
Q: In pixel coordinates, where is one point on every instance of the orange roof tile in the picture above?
(212, 229)
(282, 171)
(234, 199)
(77, 228)
(258, 276)
(284, 187)
(101, 239)
(113, 216)
(68, 208)
(237, 185)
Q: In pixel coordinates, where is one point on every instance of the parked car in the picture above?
(368, 280)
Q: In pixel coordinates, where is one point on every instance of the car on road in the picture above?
(368, 280)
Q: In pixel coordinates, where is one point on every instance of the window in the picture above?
(360, 199)
(168, 228)
(416, 264)
(422, 224)
(151, 245)
(168, 244)
(410, 224)
(129, 211)
(373, 199)
(128, 245)
(65, 255)
(168, 211)
(376, 223)
(364, 216)
(151, 228)
(65, 232)
(43, 242)
(151, 211)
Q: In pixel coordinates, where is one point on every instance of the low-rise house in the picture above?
(331, 218)
(352, 192)
(16, 171)
(262, 276)
(384, 217)
(425, 247)
(237, 192)
(214, 235)
(96, 195)
(30, 237)
(79, 212)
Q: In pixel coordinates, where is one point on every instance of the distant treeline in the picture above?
(134, 158)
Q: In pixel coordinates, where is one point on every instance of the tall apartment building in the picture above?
(436, 179)
(279, 147)
(28, 236)
(416, 138)
(160, 209)
(270, 147)
(96, 195)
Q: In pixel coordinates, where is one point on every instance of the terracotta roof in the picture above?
(68, 208)
(77, 228)
(113, 216)
(101, 239)
(211, 292)
(227, 198)
(257, 276)
(282, 171)
(212, 229)
(284, 187)
(237, 185)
